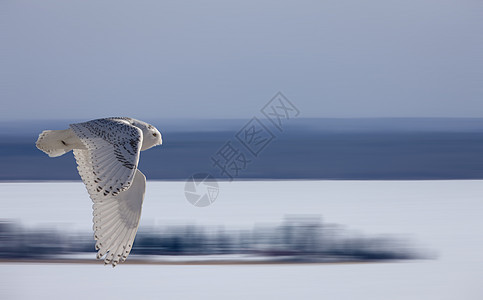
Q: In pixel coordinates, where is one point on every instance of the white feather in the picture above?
(108, 152)
(107, 155)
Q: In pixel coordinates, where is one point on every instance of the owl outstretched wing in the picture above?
(108, 165)
(116, 220)
(107, 155)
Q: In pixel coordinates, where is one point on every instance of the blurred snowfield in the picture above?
(443, 218)
(405, 63)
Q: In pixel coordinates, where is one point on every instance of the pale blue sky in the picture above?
(226, 59)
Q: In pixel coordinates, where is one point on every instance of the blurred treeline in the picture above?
(297, 238)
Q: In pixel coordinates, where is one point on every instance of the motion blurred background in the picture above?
(368, 186)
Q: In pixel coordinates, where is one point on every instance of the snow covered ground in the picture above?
(443, 217)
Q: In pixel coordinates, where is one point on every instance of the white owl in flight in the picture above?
(107, 155)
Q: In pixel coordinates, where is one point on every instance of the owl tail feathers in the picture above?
(56, 142)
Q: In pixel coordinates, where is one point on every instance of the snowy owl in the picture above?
(107, 155)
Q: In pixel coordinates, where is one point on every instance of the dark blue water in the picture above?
(293, 154)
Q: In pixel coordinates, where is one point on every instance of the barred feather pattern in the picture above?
(107, 155)
(115, 217)
(113, 147)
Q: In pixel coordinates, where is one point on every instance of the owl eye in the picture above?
(155, 134)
